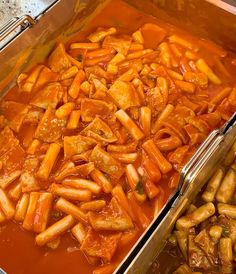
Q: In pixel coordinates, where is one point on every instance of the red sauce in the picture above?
(18, 251)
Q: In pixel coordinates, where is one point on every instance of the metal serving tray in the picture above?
(36, 36)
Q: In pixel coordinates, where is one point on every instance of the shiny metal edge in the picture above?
(223, 5)
(187, 168)
(159, 219)
(229, 124)
(133, 255)
(24, 21)
(12, 28)
(147, 247)
(195, 180)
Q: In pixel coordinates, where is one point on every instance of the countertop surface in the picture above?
(10, 9)
(17, 8)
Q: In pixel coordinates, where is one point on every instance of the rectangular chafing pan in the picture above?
(33, 39)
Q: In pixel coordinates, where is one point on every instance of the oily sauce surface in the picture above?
(19, 254)
(18, 251)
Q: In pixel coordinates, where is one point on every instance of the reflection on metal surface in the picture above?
(67, 19)
(2, 271)
(152, 243)
(228, 5)
(23, 21)
(229, 124)
(17, 8)
(194, 180)
(191, 163)
(13, 11)
(196, 16)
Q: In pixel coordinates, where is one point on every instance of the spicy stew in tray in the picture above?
(204, 239)
(93, 140)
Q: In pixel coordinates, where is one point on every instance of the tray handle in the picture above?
(23, 21)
